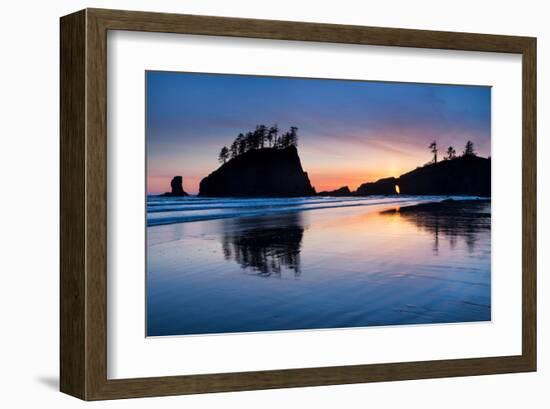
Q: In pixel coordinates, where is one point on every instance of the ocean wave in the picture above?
(156, 207)
(162, 211)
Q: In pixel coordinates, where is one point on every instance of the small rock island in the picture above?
(343, 191)
(261, 163)
(177, 188)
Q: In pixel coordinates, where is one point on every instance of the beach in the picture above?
(244, 265)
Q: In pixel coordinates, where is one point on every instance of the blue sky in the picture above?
(350, 131)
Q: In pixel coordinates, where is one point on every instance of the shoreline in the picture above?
(342, 267)
(167, 212)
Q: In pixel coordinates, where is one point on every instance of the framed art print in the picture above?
(252, 204)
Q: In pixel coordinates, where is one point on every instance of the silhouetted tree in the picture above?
(249, 141)
(289, 138)
(261, 135)
(283, 141)
(272, 135)
(234, 149)
(258, 139)
(451, 153)
(224, 155)
(241, 143)
(469, 149)
(293, 136)
(278, 141)
(433, 149)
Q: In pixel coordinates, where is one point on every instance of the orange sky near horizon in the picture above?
(326, 171)
(350, 132)
(321, 182)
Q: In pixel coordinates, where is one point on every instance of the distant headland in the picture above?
(467, 174)
(464, 175)
(265, 163)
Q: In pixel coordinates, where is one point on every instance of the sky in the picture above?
(350, 132)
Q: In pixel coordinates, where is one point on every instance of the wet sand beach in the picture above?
(318, 266)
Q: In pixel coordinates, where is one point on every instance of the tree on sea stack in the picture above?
(433, 149)
(272, 134)
(289, 138)
(293, 136)
(234, 149)
(261, 138)
(271, 171)
(469, 149)
(224, 155)
(241, 142)
(260, 135)
(451, 153)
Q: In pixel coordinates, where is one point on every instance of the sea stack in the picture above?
(465, 175)
(384, 186)
(266, 172)
(343, 191)
(177, 187)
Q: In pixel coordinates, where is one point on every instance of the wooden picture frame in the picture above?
(84, 203)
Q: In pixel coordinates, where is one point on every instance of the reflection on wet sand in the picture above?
(334, 268)
(266, 246)
(450, 220)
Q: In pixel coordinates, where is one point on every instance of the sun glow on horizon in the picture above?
(350, 132)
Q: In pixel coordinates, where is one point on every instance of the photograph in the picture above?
(285, 203)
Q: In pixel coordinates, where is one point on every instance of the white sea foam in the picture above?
(170, 210)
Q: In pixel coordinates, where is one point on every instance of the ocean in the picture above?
(225, 265)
